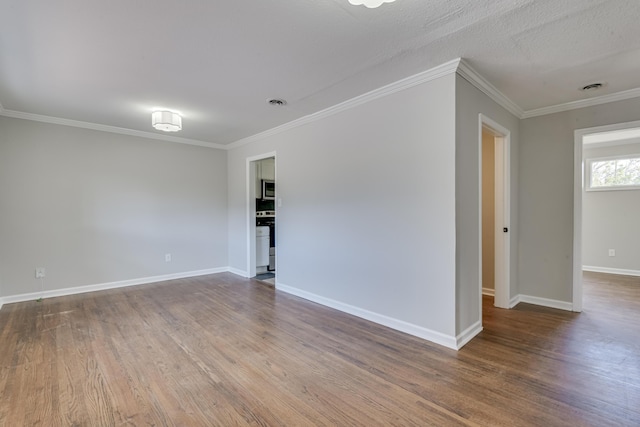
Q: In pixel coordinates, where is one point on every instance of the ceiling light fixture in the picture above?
(167, 121)
(370, 3)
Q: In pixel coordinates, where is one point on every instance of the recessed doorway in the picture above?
(494, 184)
(261, 217)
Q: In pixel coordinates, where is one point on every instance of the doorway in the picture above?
(601, 136)
(494, 183)
(261, 217)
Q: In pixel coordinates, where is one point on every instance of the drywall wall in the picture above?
(546, 194)
(367, 220)
(470, 103)
(488, 209)
(610, 220)
(94, 207)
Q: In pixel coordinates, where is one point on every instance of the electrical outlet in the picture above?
(612, 252)
(40, 272)
(167, 257)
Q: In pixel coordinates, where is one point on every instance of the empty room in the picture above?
(337, 212)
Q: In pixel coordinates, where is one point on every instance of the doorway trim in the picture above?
(251, 193)
(502, 248)
(578, 182)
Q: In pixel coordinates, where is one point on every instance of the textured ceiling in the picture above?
(218, 61)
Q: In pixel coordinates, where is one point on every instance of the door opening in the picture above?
(261, 217)
(609, 141)
(494, 212)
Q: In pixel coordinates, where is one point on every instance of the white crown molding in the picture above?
(458, 65)
(472, 76)
(106, 128)
(423, 77)
(574, 105)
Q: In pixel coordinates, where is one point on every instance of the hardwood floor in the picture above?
(222, 350)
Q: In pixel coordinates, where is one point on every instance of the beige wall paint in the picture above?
(488, 209)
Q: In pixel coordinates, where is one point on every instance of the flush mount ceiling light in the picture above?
(370, 3)
(167, 121)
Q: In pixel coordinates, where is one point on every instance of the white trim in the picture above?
(238, 272)
(545, 302)
(502, 255)
(578, 181)
(110, 285)
(620, 271)
(588, 183)
(472, 76)
(488, 292)
(574, 105)
(390, 322)
(468, 334)
(514, 301)
(406, 83)
(107, 128)
(458, 65)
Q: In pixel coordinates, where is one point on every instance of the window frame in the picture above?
(588, 167)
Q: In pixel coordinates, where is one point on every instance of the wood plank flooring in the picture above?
(220, 350)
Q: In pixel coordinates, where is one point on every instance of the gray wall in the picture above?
(546, 194)
(610, 220)
(94, 207)
(368, 206)
(470, 102)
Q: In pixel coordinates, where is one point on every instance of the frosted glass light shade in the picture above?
(167, 121)
(370, 3)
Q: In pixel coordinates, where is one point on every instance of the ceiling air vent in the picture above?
(592, 86)
(277, 102)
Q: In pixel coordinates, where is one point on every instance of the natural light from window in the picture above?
(620, 173)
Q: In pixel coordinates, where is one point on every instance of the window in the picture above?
(614, 173)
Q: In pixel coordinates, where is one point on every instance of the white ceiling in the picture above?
(218, 61)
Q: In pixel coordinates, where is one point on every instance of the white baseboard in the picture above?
(621, 271)
(466, 335)
(110, 285)
(514, 301)
(489, 292)
(551, 303)
(241, 273)
(399, 325)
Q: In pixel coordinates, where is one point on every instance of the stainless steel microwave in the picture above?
(268, 189)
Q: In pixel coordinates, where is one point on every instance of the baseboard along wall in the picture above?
(620, 271)
(105, 286)
(390, 322)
